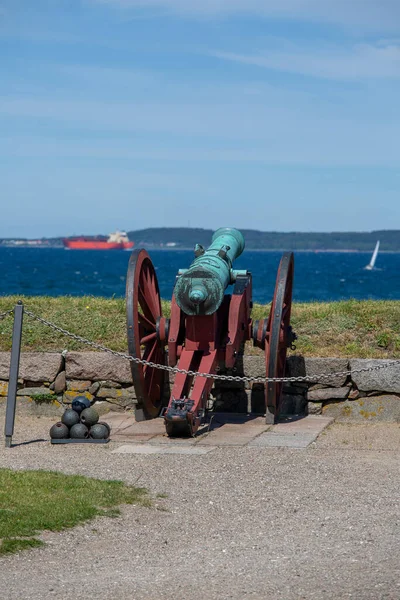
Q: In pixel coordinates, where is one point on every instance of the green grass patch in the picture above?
(351, 328)
(43, 398)
(35, 501)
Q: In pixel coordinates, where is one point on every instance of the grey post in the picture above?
(14, 368)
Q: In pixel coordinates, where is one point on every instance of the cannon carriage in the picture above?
(205, 333)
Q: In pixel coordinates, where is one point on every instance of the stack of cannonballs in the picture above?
(80, 422)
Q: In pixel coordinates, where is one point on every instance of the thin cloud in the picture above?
(364, 61)
(369, 14)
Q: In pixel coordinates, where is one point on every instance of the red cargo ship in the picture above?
(116, 241)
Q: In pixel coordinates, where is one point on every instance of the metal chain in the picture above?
(3, 315)
(236, 378)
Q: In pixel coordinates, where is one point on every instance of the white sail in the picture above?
(373, 258)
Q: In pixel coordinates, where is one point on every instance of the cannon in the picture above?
(206, 331)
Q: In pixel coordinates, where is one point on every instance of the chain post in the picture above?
(13, 377)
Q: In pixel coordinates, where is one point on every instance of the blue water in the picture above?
(318, 276)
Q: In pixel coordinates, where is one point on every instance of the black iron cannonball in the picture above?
(99, 432)
(80, 403)
(105, 425)
(59, 431)
(70, 417)
(79, 431)
(89, 416)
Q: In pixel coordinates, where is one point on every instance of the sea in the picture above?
(319, 276)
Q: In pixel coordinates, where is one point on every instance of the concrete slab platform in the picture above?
(162, 449)
(224, 429)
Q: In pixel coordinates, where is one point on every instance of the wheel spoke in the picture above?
(149, 302)
(148, 338)
(151, 294)
(144, 305)
(149, 354)
(147, 324)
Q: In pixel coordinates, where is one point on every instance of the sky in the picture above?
(262, 114)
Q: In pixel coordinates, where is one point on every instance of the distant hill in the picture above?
(184, 237)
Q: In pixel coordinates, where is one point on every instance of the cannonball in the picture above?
(99, 432)
(59, 431)
(79, 431)
(105, 425)
(80, 403)
(70, 417)
(89, 416)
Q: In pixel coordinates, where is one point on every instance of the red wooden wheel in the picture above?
(143, 308)
(279, 336)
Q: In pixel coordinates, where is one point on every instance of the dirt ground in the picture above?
(238, 522)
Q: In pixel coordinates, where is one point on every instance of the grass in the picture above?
(35, 501)
(362, 329)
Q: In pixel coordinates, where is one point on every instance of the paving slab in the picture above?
(128, 437)
(235, 434)
(168, 441)
(294, 434)
(161, 449)
(280, 440)
(115, 419)
(125, 427)
(311, 423)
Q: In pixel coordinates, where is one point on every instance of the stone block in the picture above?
(354, 394)
(94, 388)
(103, 407)
(115, 393)
(384, 380)
(314, 408)
(297, 366)
(28, 407)
(69, 396)
(60, 383)
(254, 366)
(325, 394)
(76, 385)
(34, 366)
(33, 391)
(292, 405)
(110, 384)
(376, 409)
(97, 366)
(293, 390)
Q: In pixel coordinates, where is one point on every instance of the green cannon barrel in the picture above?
(200, 289)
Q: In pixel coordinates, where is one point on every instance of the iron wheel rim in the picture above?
(143, 308)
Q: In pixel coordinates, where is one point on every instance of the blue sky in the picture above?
(272, 115)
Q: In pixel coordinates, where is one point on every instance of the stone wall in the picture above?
(47, 381)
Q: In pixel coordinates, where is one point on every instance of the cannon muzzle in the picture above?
(200, 289)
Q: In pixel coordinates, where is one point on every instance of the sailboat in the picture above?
(372, 262)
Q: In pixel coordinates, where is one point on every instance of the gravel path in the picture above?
(237, 523)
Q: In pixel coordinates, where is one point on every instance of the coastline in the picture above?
(190, 249)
